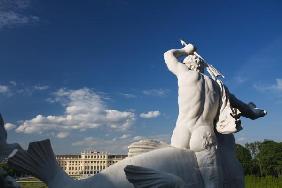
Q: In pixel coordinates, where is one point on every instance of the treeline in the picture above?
(261, 158)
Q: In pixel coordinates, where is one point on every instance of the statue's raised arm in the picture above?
(172, 61)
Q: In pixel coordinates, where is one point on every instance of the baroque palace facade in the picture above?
(87, 163)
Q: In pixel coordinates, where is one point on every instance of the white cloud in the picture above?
(4, 89)
(128, 95)
(63, 134)
(278, 85)
(274, 87)
(11, 13)
(9, 126)
(137, 138)
(156, 92)
(86, 142)
(124, 136)
(41, 87)
(84, 109)
(150, 114)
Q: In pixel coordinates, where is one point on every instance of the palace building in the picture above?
(87, 163)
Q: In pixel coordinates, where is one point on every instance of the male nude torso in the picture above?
(198, 100)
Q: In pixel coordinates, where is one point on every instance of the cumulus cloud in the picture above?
(11, 13)
(4, 89)
(150, 114)
(9, 126)
(84, 109)
(156, 92)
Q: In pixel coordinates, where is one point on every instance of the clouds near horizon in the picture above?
(150, 114)
(84, 109)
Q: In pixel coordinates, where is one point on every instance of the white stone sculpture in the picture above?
(202, 151)
(204, 103)
(143, 146)
(165, 167)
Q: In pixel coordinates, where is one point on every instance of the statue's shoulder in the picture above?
(190, 75)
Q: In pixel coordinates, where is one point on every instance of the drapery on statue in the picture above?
(202, 101)
(201, 153)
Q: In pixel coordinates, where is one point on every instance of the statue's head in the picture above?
(195, 63)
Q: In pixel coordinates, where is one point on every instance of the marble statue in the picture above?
(202, 149)
(204, 100)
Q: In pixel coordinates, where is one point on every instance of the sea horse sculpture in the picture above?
(201, 153)
(165, 167)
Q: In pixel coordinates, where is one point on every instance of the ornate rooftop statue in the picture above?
(201, 153)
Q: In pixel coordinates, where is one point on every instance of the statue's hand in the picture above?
(256, 112)
(189, 49)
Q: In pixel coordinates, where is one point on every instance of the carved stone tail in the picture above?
(39, 160)
(142, 177)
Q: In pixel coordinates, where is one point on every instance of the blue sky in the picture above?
(90, 74)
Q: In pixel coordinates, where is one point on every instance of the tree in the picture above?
(256, 167)
(253, 148)
(270, 157)
(245, 158)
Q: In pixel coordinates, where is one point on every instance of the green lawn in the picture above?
(33, 185)
(263, 182)
(250, 181)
